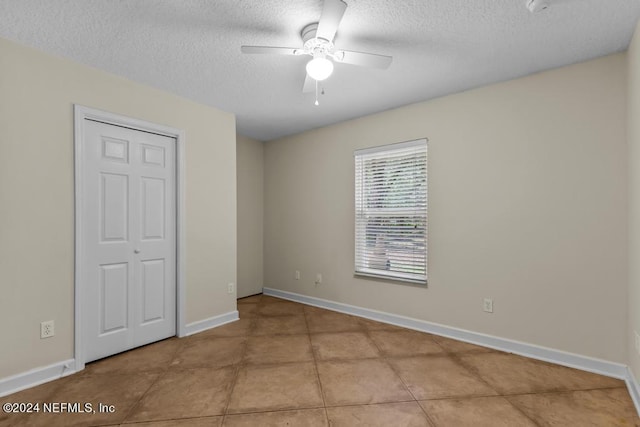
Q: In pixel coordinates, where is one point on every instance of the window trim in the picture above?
(390, 277)
(379, 274)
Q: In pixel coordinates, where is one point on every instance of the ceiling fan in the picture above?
(317, 39)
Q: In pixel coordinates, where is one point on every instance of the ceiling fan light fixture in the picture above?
(319, 68)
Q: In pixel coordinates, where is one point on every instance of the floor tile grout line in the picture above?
(160, 376)
(458, 360)
(479, 377)
(315, 367)
(164, 420)
(238, 367)
(273, 410)
(445, 352)
(137, 402)
(153, 383)
(477, 374)
(252, 325)
(384, 357)
(517, 408)
(242, 364)
(415, 399)
(355, 405)
(559, 391)
(454, 356)
(457, 357)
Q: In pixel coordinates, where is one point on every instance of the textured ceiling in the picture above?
(192, 48)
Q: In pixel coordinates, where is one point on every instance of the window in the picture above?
(391, 211)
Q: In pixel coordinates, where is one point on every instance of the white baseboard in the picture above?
(212, 322)
(36, 377)
(559, 357)
(52, 372)
(571, 360)
(634, 388)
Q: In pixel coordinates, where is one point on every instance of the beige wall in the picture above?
(633, 135)
(37, 93)
(527, 205)
(250, 173)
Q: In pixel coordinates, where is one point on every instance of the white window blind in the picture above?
(391, 211)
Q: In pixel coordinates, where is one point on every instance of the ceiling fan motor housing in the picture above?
(315, 46)
(309, 32)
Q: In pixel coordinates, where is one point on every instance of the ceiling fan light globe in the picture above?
(319, 68)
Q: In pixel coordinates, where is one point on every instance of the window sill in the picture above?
(391, 278)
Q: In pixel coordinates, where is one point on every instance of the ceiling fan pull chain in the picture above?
(316, 93)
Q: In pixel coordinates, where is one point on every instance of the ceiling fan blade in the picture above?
(309, 85)
(332, 13)
(271, 50)
(363, 59)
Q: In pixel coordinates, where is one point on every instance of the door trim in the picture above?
(80, 114)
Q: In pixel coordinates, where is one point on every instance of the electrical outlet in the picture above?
(297, 274)
(47, 329)
(488, 305)
(637, 339)
(230, 288)
(318, 278)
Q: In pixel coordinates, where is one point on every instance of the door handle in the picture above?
(136, 251)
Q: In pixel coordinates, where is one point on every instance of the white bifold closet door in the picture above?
(129, 238)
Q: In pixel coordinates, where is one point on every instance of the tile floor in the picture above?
(284, 363)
